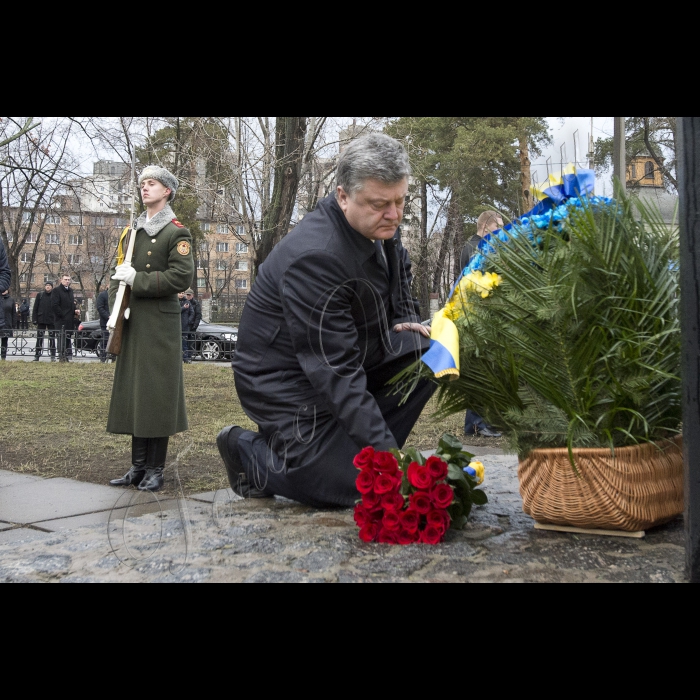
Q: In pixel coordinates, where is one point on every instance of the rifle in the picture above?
(121, 312)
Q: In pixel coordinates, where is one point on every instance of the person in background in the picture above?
(188, 316)
(189, 294)
(65, 316)
(489, 222)
(24, 315)
(9, 309)
(103, 311)
(42, 318)
(5, 278)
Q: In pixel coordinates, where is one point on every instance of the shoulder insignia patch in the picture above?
(177, 223)
(184, 248)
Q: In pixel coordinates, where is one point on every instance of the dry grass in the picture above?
(54, 419)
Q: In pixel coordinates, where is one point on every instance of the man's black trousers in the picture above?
(42, 329)
(309, 458)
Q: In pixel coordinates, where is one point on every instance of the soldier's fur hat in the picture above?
(166, 178)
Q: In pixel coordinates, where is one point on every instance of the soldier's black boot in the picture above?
(157, 455)
(227, 443)
(139, 456)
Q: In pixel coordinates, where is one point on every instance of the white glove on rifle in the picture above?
(125, 273)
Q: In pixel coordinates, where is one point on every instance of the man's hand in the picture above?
(413, 328)
(125, 273)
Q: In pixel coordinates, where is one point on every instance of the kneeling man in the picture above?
(329, 321)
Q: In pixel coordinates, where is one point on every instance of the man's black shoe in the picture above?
(133, 478)
(153, 481)
(227, 443)
(488, 433)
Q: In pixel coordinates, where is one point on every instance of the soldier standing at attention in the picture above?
(148, 399)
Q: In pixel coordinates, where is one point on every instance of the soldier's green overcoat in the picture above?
(148, 398)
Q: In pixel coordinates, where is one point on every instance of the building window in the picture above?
(47, 279)
(75, 259)
(222, 228)
(51, 239)
(52, 258)
(240, 230)
(10, 237)
(99, 221)
(222, 248)
(97, 260)
(649, 170)
(633, 171)
(25, 258)
(75, 220)
(23, 278)
(26, 217)
(220, 284)
(241, 284)
(242, 248)
(75, 240)
(121, 223)
(242, 266)
(206, 227)
(55, 220)
(222, 265)
(31, 238)
(201, 283)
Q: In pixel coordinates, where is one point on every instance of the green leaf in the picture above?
(450, 445)
(479, 498)
(414, 455)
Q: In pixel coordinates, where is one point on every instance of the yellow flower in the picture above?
(480, 470)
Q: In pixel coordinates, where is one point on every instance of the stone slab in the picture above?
(21, 535)
(103, 518)
(223, 496)
(14, 479)
(5, 526)
(52, 499)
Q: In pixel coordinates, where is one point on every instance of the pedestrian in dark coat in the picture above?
(148, 399)
(65, 316)
(9, 312)
(104, 313)
(197, 306)
(5, 278)
(24, 315)
(329, 321)
(43, 319)
(188, 319)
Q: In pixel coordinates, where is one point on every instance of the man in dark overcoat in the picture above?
(197, 306)
(104, 313)
(5, 278)
(148, 399)
(329, 321)
(8, 308)
(65, 316)
(42, 318)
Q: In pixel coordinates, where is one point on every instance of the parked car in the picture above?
(212, 342)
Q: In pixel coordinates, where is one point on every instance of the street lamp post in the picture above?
(620, 152)
(689, 187)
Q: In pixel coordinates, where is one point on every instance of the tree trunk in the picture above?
(290, 138)
(454, 226)
(528, 201)
(424, 275)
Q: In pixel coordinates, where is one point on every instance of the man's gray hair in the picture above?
(373, 157)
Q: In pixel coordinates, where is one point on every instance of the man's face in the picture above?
(181, 296)
(66, 281)
(376, 211)
(189, 297)
(48, 289)
(494, 225)
(154, 192)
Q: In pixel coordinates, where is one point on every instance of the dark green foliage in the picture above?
(580, 345)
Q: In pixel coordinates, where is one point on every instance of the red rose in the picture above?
(421, 503)
(387, 537)
(384, 484)
(365, 482)
(442, 496)
(392, 522)
(437, 468)
(362, 516)
(436, 519)
(419, 477)
(386, 463)
(407, 538)
(398, 480)
(410, 521)
(371, 501)
(431, 536)
(394, 502)
(365, 460)
(369, 532)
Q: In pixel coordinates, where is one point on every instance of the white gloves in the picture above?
(125, 273)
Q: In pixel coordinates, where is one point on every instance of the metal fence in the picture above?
(65, 345)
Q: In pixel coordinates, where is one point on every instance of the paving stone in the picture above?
(56, 498)
(170, 509)
(21, 536)
(13, 479)
(6, 526)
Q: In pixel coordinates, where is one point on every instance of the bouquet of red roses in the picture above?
(407, 499)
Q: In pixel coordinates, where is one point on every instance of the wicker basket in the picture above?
(635, 489)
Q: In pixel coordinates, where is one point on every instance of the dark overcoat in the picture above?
(43, 310)
(148, 399)
(63, 305)
(319, 318)
(5, 278)
(8, 309)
